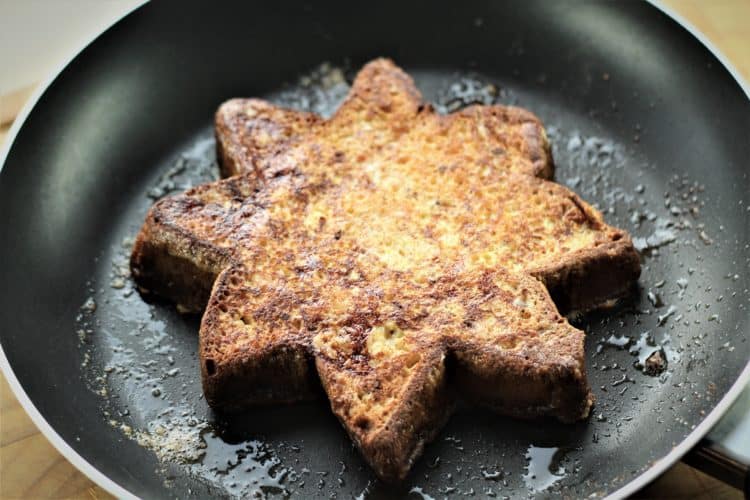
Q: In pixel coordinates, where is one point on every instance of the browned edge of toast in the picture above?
(520, 386)
(282, 373)
(170, 262)
(251, 131)
(424, 409)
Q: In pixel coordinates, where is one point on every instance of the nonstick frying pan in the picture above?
(645, 122)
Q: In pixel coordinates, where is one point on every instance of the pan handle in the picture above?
(715, 460)
(725, 452)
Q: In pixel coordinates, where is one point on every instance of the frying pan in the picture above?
(646, 123)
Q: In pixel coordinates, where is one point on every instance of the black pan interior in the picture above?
(644, 121)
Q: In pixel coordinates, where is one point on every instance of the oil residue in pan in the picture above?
(543, 469)
(142, 358)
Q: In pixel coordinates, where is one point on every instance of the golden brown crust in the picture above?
(365, 250)
(592, 278)
(537, 377)
(250, 131)
(279, 371)
(171, 262)
(392, 445)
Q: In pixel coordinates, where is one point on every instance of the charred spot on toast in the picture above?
(210, 367)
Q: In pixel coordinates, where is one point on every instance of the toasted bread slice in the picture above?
(365, 250)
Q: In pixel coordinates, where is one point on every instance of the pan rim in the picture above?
(743, 381)
(44, 427)
(55, 439)
(679, 451)
(115, 489)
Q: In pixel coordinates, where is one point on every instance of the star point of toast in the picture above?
(365, 250)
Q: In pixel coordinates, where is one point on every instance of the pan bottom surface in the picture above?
(142, 358)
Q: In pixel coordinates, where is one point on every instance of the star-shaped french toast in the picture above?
(396, 256)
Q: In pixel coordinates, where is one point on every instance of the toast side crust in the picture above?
(251, 131)
(518, 386)
(592, 278)
(537, 370)
(170, 262)
(279, 371)
(391, 446)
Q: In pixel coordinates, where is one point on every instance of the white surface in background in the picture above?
(36, 36)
